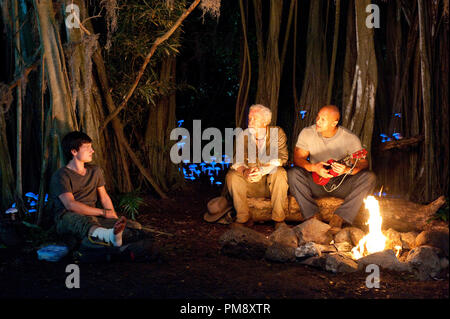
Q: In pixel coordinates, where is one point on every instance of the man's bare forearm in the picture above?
(303, 163)
(361, 165)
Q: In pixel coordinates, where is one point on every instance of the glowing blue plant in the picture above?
(302, 114)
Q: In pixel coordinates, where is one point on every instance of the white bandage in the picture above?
(107, 235)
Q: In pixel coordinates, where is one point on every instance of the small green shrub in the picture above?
(129, 204)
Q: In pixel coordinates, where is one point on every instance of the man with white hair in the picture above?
(257, 172)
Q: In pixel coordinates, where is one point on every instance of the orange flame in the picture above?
(374, 241)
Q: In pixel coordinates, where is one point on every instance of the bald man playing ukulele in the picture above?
(317, 144)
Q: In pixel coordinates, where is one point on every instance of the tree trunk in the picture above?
(350, 55)
(428, 162)
(246, 73)
(6, 171)
(160, 123)
(80, 49)
(269, 65)
(358, 115)
(288, 31)
(333, 56)
(63, 112)
(109, 143)
(120, 163)
(18, 58)
(315, 80)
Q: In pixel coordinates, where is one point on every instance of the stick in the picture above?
(151, 230)
(25, 73)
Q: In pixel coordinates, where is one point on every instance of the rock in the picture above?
(347, 254)
(318, 262)
(385, 259)
(313, 230)
(356, 235)
(408, 240)
(333, 231)
(343, 236)
(284, 235)
(281, 253)
(351, 235)
(393, 240)
(244, 242)
(434, 238)
(343, 247)
(403, 255)
(326, 248)
(308, 250)
(338, 262)
(424, 262)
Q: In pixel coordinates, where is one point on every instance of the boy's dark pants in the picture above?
(72, 224)
(353, 190)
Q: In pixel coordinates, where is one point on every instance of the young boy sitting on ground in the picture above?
(74, 190)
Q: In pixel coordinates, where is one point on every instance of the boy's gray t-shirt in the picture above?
(321, 149)
(83, 187)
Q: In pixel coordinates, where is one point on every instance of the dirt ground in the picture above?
(192, 267)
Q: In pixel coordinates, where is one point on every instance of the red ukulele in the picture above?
(319, 180)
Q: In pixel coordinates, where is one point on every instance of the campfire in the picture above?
(350, 249)
(374, 241)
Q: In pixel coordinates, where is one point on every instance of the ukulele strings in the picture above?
(334, 187)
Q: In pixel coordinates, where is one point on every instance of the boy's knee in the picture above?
(71, 223)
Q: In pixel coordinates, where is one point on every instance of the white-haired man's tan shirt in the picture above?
(273, 183)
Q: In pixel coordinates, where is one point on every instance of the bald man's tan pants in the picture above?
(273, 186)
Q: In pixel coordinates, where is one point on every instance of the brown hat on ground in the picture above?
(217, 208)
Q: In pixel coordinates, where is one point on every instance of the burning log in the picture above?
(398, 214)
(403, 215)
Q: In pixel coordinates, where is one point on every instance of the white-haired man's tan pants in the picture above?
(274, 186)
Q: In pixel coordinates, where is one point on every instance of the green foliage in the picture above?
(141, 22)
(129, 204)
(443, 212)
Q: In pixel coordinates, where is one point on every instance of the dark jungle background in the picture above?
(390, 83)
